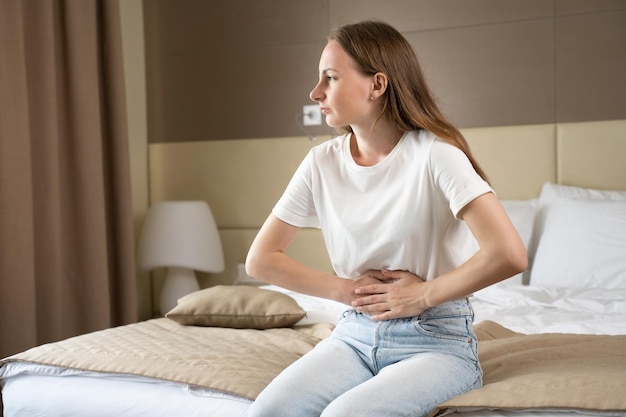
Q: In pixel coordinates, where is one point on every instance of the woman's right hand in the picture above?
(373, 276)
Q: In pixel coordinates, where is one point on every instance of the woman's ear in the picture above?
(379, 85)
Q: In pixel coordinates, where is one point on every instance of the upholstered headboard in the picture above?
(519, 159)
(242, 179)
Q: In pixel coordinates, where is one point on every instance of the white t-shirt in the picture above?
(399, 214)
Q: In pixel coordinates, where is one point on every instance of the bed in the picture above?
(552, 340)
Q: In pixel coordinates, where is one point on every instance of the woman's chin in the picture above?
(332, 123)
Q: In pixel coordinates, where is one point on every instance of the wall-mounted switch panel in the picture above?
(311, 115)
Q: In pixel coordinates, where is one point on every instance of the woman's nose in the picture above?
(315, 94)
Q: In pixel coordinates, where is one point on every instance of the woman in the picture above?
(394, 197)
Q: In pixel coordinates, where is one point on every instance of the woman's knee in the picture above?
(268, 407)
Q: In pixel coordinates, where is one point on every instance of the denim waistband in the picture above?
(458, 307)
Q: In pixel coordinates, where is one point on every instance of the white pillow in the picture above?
(550, 191)
(580, 243)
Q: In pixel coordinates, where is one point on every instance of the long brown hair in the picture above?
(378, 47)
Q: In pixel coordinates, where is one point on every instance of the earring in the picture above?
(371, 97)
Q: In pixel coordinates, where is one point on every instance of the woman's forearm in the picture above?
(268, 262)
(480, 271)
(279, 269)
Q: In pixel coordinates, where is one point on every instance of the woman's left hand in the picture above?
(401, 294)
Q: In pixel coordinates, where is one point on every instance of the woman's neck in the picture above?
(370, 146)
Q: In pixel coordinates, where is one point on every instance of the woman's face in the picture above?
(342, 92)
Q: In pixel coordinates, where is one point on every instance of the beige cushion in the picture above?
(237, 306)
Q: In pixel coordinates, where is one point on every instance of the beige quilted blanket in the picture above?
(240, 362)
(553, 371)
(521, 371)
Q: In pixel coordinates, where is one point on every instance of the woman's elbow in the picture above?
(259, 263)
(516, 258)
(252, 264)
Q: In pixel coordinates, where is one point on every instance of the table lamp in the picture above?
(181, 236)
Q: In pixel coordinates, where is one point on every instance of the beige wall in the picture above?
(233, 69)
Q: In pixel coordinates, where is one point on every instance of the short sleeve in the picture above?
(296, 205)
(455, 176)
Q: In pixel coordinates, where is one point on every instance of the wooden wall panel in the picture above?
(233, 69)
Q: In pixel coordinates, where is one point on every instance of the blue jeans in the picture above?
(401, 367)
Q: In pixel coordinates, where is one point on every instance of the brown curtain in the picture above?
(66, 233)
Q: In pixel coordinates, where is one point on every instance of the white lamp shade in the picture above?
(180, 234)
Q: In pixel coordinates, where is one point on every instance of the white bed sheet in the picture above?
(48, 391)
(532, 309)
